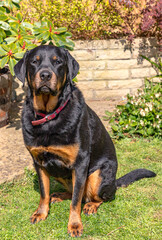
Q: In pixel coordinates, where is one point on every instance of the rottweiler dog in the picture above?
(65, 137)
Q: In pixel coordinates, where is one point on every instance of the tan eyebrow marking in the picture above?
(54, 57)
(38, 57)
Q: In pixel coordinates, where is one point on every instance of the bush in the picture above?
(142, 114)
(85, 19)
(17, 35)
(97, 19)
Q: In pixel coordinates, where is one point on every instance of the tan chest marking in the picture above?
(68, 153)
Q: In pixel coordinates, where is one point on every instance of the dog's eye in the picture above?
(58, 61)
(34, 61)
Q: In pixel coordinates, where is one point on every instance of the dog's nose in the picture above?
(45, 75)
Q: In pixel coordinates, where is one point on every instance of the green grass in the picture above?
(134, 214)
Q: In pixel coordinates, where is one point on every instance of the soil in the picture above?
(14, 157)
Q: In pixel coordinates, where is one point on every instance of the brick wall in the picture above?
(109, 69)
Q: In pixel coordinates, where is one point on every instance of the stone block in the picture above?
(87, 65)
(140, 72)
(110, 94)
(148, 52)
(145, 42)
(153, 72)
(113, 54)
(126, 64)
(118, 44)
(80, 44)
(111, 74)
(88, 94)
(83, 55)
(123, 84)
(84, 75)
(100, 44)
(89, 85)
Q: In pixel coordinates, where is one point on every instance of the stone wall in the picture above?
(109, 69)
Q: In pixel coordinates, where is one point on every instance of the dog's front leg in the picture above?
(44, 184)
(75, 227)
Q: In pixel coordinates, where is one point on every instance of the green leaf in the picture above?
(3, 17)
(2, 52)
(16, 1)
(153, 63)
(13, 18)
(19, 16)
(150, 131)
(27, 25)
(109, 114)
(49, 24)
(43, 36)
(2, 9)
(2, 33)
(5, 47)
(60, 30)
(115, 128)
(12, 63)
(4, 25)
(133, 124)
(4, 61)
(19, 55)
(10, 40)
(31, 46)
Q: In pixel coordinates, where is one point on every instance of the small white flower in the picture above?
(126, 126)
(142, 112)
(158, 126)
(149, 105)
(157, 116)
(142, 123)
(146, 110)
(157, 95)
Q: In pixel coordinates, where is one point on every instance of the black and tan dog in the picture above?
(66, 138)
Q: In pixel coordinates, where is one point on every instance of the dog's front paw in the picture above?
(75, 229)
(38, 216)
(91, 207)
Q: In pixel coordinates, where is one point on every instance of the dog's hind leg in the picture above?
(60, 196)
(91, 193)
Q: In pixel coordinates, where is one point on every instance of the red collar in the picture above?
(48, 117)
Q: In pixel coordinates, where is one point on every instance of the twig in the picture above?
(115, 230)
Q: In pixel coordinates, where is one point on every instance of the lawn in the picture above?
(134, 214)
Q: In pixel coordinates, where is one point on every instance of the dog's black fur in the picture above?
(74, 147)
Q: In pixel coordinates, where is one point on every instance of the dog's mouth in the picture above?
(46, 90)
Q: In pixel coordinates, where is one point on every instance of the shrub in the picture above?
(17, 35)
(142, 114)
(98, 19)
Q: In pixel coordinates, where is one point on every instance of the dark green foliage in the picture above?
(141, 115)
(17, 35)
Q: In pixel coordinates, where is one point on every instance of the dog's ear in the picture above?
(20, 68)
(73, 66)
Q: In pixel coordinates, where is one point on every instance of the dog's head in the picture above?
(46, 68)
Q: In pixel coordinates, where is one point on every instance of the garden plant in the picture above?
(93, 19)
(17, 36)
(142, 114)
